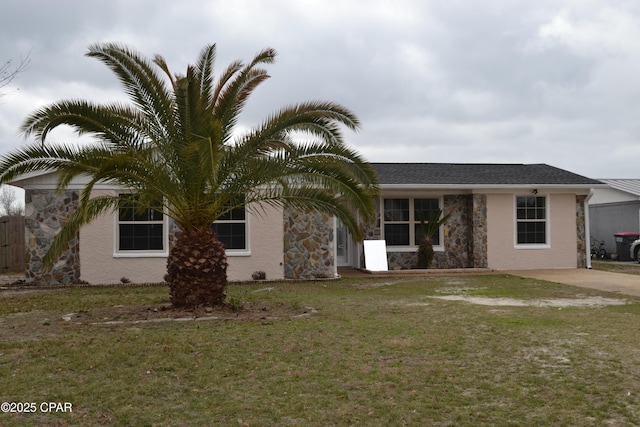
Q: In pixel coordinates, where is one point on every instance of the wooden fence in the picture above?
(12, 245)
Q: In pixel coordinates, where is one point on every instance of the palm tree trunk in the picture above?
(197, 269)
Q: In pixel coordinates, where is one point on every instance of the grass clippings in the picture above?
(359, 351)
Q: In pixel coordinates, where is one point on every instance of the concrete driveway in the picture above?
(627, 284)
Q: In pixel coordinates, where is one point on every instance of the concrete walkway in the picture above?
(627, 284)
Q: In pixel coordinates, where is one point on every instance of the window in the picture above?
(231, 229)
(139, 230)
(531, 220)
(402, 220)
(396, 222)
(423, 210)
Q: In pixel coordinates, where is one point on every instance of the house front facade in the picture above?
(501, 217)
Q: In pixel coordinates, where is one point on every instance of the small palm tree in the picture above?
(178, 150)
(429, 229)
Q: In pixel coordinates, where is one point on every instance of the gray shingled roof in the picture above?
(474, 174)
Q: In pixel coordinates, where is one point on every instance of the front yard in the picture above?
(441, 351)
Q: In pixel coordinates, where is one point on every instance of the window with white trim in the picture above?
(139, 230)
(401, 220)
(531, 220)
(231, 229)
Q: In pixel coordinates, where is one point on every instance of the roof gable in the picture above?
(477, 174)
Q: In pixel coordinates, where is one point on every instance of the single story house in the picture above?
(614, 209)
(503, 216)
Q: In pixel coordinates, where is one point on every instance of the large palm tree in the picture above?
(178, 149)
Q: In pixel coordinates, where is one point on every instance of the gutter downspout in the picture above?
(587, 228)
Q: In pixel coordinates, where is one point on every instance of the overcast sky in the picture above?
(487, 81)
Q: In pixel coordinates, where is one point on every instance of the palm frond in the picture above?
(139, 80)
(204, 72)
(176, 144)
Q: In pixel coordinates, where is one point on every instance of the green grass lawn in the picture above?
(630, 267)
(354, 352)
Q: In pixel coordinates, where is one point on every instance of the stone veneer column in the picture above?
(581, 232)
(308, 245)
(46, 211)
(480, 231)
(457, 233)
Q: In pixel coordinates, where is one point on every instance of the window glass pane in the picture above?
(232, 235)
(530, 208)
(532, 232)
(141, 237)
(237, 214)
(126, 237)
(396, 209)
(141, 216)
(396, 234)
(155, 215)
(423, 209)
(125, 213)
(130, 212)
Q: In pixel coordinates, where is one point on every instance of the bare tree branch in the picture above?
(9, 204)
(8, 72)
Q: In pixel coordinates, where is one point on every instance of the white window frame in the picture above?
(547, 224)
(412, 224)
(119, 253)
(247, 235)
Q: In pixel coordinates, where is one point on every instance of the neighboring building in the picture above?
(503, 216)
(614, 209)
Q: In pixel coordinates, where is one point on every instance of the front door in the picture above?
(343, 245)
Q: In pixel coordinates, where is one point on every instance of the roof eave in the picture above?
(487, 186)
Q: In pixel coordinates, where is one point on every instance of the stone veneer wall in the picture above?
(479, 227)
(581, 232)
(46, 211)
(308, 245)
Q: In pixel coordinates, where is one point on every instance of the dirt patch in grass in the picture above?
(38, 324)
(589, 302)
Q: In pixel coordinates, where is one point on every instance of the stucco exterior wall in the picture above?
(503, 254)
(266, 244)
(100, 264)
